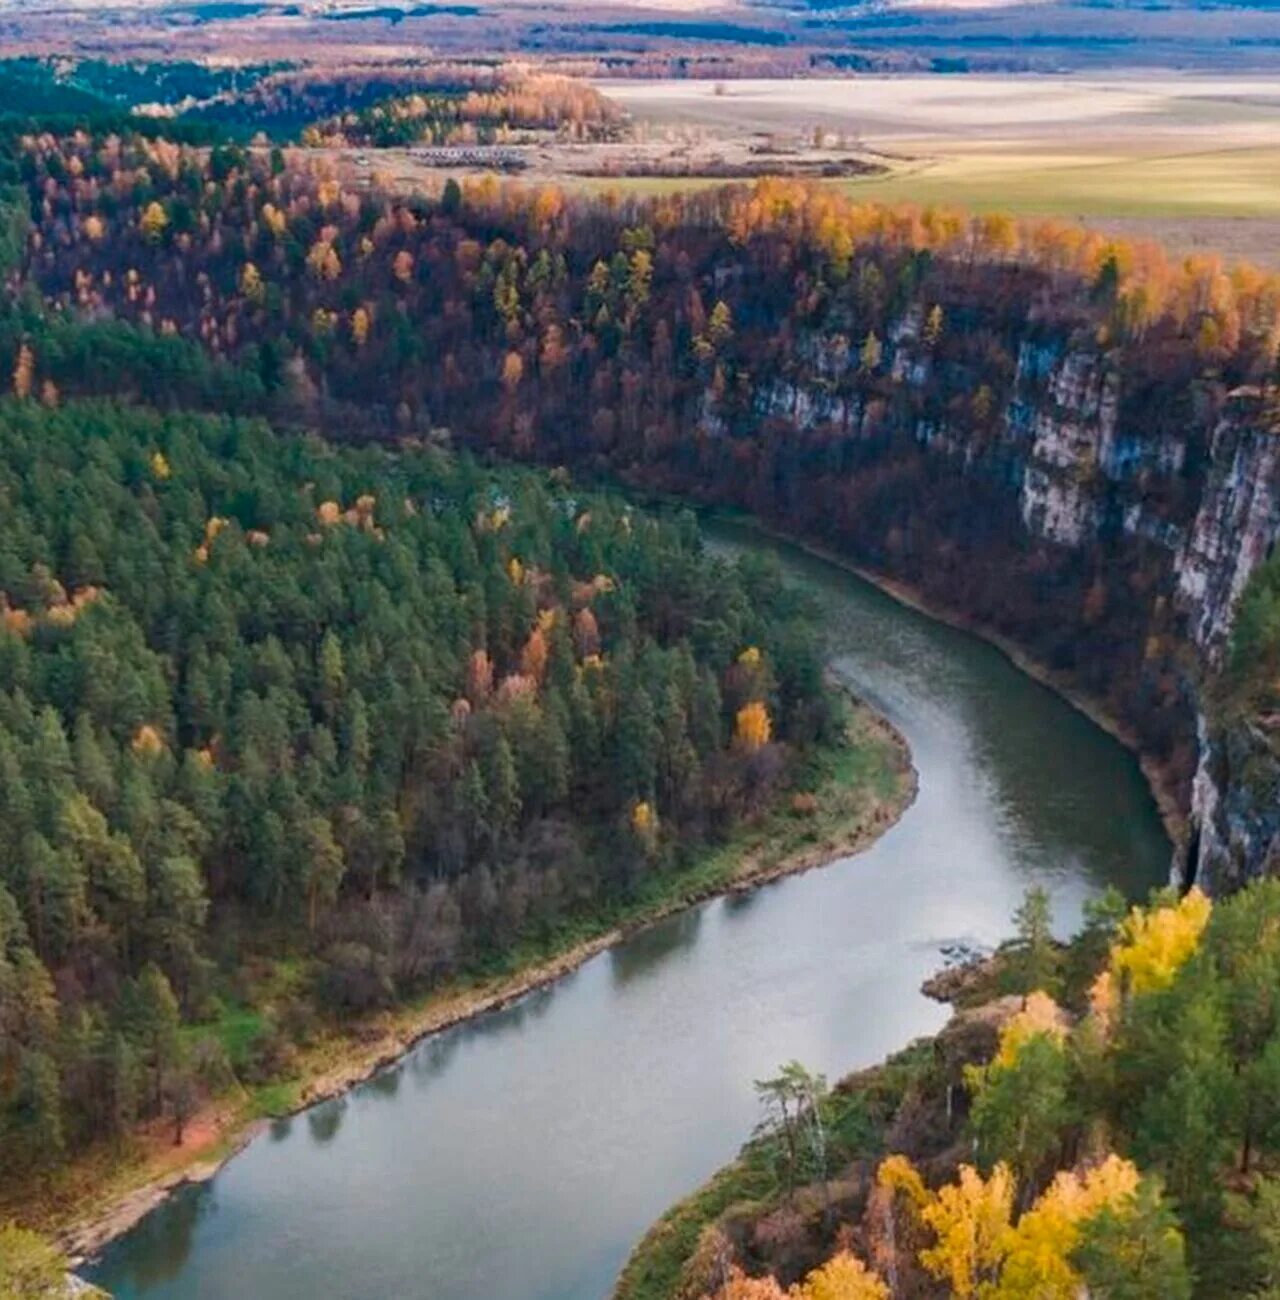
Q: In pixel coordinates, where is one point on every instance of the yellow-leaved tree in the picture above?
(1037, 1264)
(1040, 1014)
(843, 1277)
(753, 728)
(970, 1219)
(1155, 943)
(153, 221)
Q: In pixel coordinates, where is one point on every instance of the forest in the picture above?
(376, 713)
(1099, 1117)
(774, 347)
(325, 727)
(512, 110)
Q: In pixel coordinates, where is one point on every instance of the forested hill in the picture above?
(1062, 437)
(293, 730)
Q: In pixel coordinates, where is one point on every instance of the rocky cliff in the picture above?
(1106, 523)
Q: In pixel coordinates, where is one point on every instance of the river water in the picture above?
(519, 1157)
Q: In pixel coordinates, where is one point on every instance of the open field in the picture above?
(1192, 161)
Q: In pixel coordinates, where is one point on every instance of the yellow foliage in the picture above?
(251, 283)
(515, 571)
(160, 466)
(147, 740)
(750, 657)
(93, 228)
(898, 1174)
(329, 513)
(741, 1287)
(23, 372)
(1154, 944)
(933, 326)
(753, 727)
(1038, 1251)
(1102, 997)
(359, 326)
(17, 621)
(970, 1219)
(274, 219)
(323, 261)
(533, 658)
(60, 615)
(843, 1277)
(494, 521)
(1040, 1016)
(153, 221)
(643, 818)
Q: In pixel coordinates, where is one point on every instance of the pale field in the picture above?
(1193, 161)
(886, 109)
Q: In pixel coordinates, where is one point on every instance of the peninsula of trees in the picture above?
(1099, 1118)
(289, 731)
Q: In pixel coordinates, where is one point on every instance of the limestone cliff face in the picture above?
(1108, 530)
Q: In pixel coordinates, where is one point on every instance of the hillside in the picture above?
(1095, 1119)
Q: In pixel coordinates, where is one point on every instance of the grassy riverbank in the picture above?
(838, 802)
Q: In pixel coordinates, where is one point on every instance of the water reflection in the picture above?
(324, 1120)
(164, 1238)
(385, 1084)
(644, 953)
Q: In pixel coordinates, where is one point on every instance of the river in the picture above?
(519, 1157)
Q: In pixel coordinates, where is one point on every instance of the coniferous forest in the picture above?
(384, 710)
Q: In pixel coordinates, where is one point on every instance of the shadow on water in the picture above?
(644, 953)
(324, 1120)
(519, 1156)
(164, 1238)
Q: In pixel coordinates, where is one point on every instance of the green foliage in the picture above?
(1254, 658)
(30, 1268)
(1256, 1239)
(1021, 1110)
(1033, 960)
(262, 696)
(1134, 1252)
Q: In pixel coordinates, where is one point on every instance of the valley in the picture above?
(555, 568)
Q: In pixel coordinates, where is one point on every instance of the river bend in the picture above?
(520, 1156)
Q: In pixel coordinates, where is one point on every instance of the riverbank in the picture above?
(905, 1094)
(1159, 778)
(853, 794)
